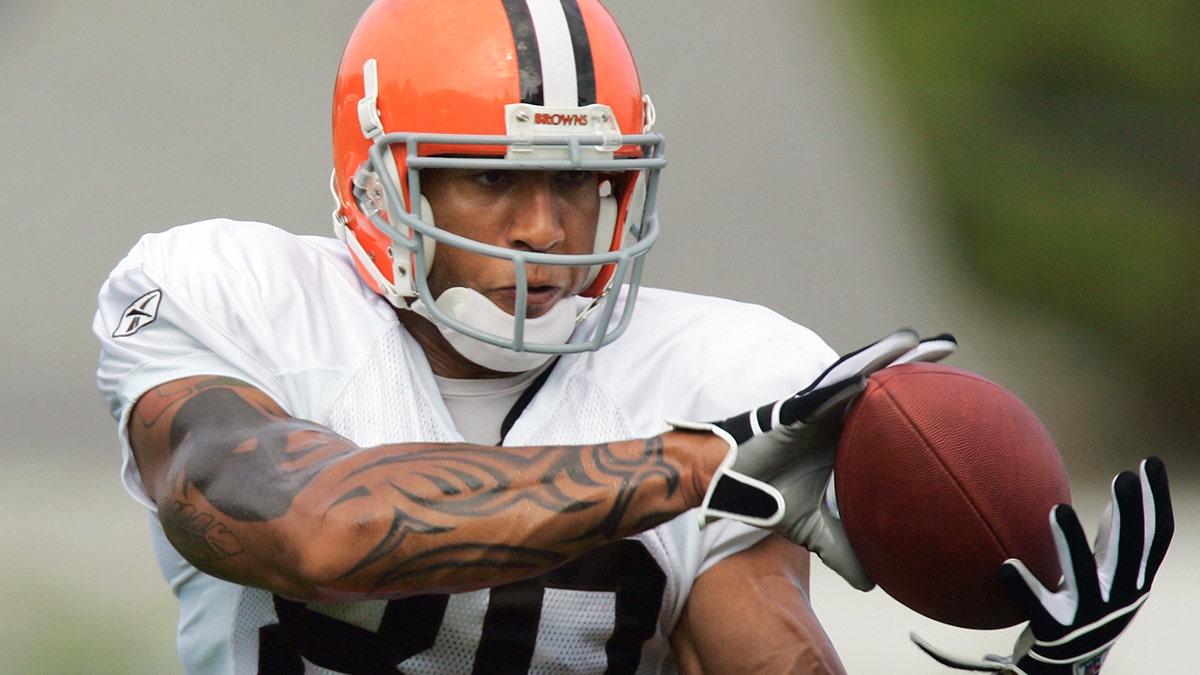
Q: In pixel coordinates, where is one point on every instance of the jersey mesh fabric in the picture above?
(454, 649)
(255, 610)
(380, 402)
(593, 614)
(583, 412)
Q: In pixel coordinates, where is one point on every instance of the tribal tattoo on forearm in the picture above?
(251, 463)
(451, 485)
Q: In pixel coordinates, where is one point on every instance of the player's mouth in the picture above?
(538, 299)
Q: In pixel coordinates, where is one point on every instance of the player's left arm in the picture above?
(750, 613)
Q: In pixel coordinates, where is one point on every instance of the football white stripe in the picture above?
(559, 88)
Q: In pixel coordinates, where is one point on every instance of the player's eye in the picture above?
(491, 178)
(575, 178)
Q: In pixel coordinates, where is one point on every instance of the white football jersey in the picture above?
(289, 315)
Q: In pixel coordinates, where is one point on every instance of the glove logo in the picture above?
(1091, 666)
(139, 314)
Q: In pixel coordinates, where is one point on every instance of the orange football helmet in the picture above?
(491, 84)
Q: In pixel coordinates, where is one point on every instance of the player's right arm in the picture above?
(247, 493)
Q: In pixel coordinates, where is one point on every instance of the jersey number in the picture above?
(510, 627)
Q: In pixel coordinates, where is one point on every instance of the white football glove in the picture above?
(1072, 629)
(778, 472)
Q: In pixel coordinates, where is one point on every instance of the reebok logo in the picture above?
(560, 120)
(139, 314)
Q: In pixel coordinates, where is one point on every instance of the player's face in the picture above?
(543, 211)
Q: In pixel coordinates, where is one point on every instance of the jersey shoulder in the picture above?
(241, 299)
(242, 277)
(712, 322)
(708, 356)
(244, 256)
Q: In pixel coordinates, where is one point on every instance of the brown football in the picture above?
(941, 475)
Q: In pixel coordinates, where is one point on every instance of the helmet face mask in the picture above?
(388, 224)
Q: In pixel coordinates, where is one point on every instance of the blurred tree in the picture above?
(1065, 138)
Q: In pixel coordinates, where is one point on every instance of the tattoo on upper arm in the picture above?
(242, 461)
(199, 536)
(238, 459)
(154, 403)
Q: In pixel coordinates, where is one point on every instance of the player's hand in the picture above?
(1072, 629)
(777, 472)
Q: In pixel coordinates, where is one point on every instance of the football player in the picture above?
(439, 442)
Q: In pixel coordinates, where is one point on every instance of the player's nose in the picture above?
(537, 219)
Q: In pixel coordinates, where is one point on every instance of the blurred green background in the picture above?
(1063, 140)
(1026, 175)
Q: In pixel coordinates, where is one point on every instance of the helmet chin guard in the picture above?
(470, 308)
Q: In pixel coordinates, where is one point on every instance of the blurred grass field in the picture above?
(80, 591)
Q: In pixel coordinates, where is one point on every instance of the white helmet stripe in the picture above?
(559, 87)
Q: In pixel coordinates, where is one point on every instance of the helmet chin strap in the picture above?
(472, 308)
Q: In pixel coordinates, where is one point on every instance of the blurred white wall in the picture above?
(790, 184)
